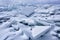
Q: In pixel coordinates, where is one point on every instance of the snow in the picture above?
(25, 20)
(38, 31)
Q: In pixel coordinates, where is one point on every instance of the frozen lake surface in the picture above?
(30, 22)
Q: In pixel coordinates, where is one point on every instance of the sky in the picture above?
(7, 2)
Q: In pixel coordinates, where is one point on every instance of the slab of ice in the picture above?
(41, 10)
(27, 10)
(8, 14)
(59, 35)
(28, 21)
(54, 18)
(37, 31)
(57, 13)
(5, 25)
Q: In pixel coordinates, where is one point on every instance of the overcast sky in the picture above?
(7, 2)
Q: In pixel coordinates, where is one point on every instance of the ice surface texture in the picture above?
(16, 19)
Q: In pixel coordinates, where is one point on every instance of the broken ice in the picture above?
(29, 20)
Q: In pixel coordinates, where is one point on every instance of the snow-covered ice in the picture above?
(29, 20)
(37, 31)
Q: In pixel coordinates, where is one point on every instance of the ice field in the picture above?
(29, 21)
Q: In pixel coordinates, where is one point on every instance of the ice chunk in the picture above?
(27, 10)
(56, 17)
(59, 35)
(6, 24)
(37, 31)
(42, 11)
(28, 21)
(57, 12)
(53, 33)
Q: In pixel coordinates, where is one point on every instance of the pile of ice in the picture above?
(16, 22)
